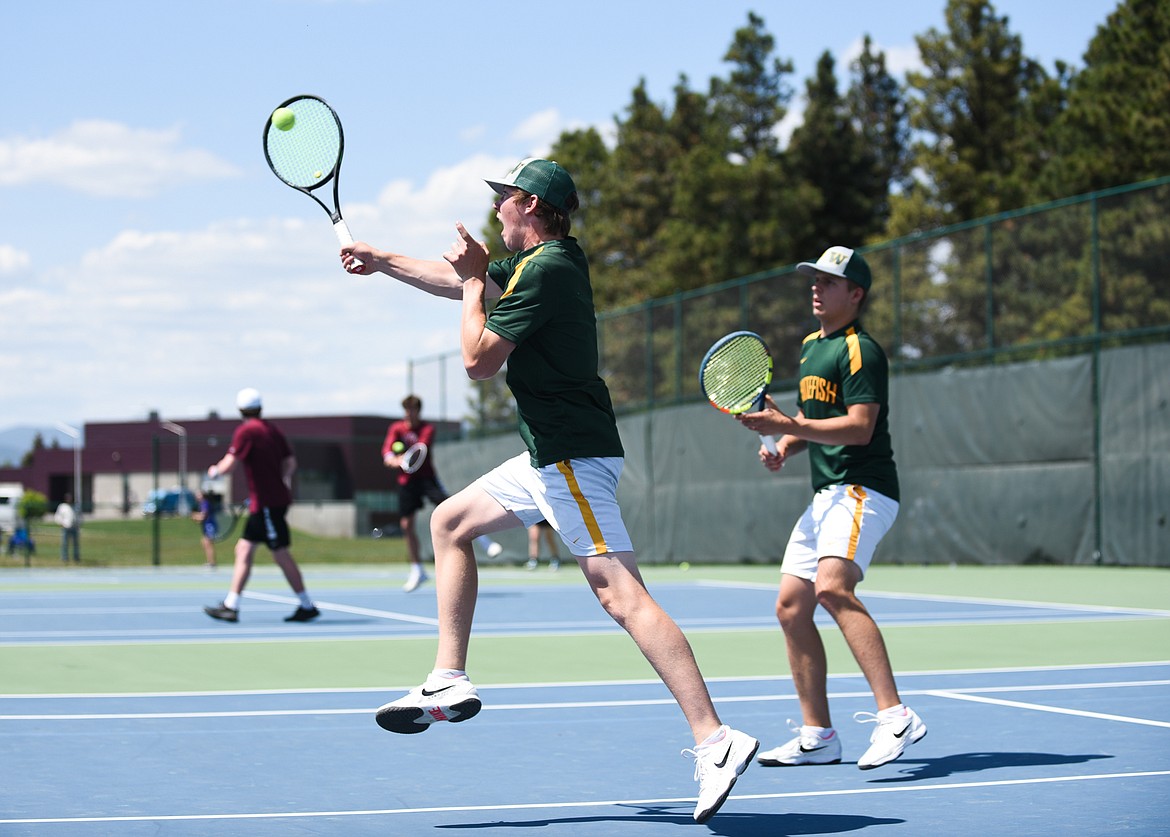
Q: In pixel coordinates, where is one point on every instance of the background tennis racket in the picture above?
(227, 515)
(735, 374)
(413, 458)
(308, 154)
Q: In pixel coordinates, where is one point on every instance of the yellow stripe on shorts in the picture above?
(857, 492)
(566, 469)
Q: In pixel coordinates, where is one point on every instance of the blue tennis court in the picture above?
(1019, 749)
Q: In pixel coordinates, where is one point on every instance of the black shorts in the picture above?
(268, 526)
(411, 495)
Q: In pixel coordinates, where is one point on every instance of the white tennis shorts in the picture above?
(577, 496)
(842, 521)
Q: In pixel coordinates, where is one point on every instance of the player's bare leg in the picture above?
(618, 585)
(288, 566)
(455, 524)
(242, 569)
(795, 606)
(837, 579)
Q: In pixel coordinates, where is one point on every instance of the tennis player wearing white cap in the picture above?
(842, 420)
(269, 465)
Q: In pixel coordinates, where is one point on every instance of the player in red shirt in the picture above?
(269, 465)
(417, 485)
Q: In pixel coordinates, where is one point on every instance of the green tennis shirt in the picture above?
(546, 309)
(839, 369)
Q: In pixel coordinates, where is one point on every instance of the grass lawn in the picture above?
(134, 542)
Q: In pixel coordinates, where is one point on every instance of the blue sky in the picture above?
(150, 261)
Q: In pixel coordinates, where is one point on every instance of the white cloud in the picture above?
(540, 130)
(12, 260)
(165, 319)
(108, 159)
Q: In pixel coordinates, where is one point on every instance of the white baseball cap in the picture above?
(248, 399)
(840, 261)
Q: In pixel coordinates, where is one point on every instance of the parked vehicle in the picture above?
(166, 501)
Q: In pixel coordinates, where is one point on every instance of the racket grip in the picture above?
(343, 236)
(768, 443)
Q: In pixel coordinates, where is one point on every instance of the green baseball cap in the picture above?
(839, 261)
(547, 179)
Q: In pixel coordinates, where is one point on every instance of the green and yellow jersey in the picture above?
(547, 310)
(836, 370)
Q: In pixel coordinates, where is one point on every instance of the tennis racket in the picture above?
(413, 458)
(227, 515)
(735, 374)
(307, 154)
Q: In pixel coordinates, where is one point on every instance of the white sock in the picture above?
(232, 600)
(715, 737)
(306, 602)
(824, 733)
(449, 674)
(893, 712)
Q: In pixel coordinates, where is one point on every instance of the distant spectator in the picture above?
(67, 519)
(207, 503)
(21, 540)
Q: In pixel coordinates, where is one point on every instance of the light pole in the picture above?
(75, 434)
(181, 432)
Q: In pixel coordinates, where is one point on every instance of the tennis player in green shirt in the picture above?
(545, 328)
(842, 420)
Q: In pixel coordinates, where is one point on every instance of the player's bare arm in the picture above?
(223, 467)
(854, 428)
(436, 277)
(484, 351)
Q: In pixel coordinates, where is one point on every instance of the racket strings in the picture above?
(306, 154)
(736, 374)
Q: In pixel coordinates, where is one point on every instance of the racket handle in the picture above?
(769, 443)
(342, 230)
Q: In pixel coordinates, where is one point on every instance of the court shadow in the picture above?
(976, 762)
(726, 824)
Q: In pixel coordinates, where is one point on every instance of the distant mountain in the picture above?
(15, 442)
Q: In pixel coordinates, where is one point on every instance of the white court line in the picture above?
(1102, 716)
(955, 694)
(644, 681)
(926, 597)
(341, 608)
(545, 806)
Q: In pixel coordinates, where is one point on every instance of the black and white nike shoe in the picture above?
(809, 747)
(896, 730)
(718, 766)
(438, 699)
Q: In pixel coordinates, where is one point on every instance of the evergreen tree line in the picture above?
(704, 189)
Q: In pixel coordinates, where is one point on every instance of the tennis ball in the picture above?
(283, 118)
(684, 566)
(398, 447)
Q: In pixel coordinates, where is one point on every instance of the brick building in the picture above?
(340, 488)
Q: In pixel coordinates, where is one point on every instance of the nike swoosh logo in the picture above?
(903, 732)
(722, 763)
(445, 688)
(805, 749)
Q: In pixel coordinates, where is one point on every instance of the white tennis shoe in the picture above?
(894, 733)
(718, 766)
(436, 700)
(808, 747)
(417, 576)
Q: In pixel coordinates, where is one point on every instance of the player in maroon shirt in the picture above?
(269, 465)
(421, 484)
